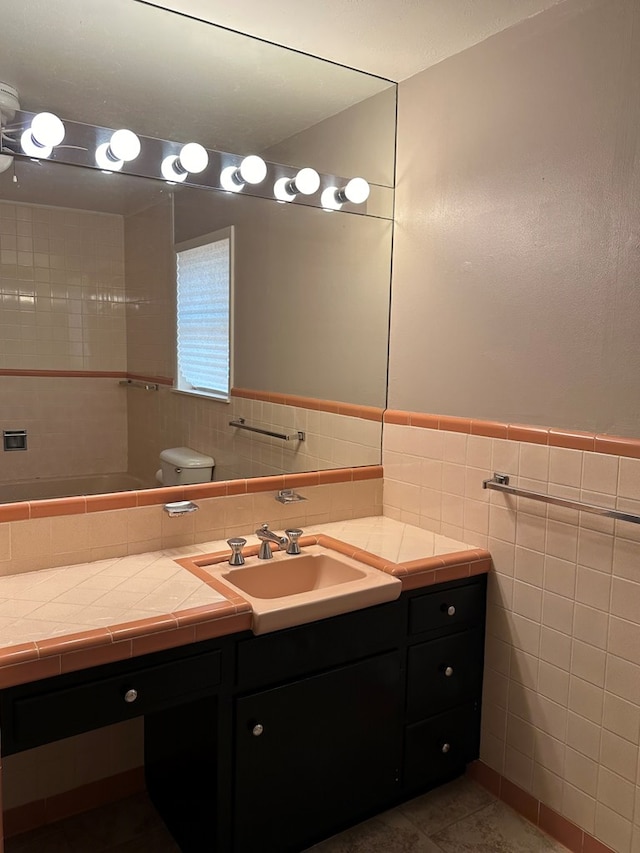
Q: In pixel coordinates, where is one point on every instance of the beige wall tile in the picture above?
(559, 576)
(600, 473)
(531, 532)
(619, 756)
(590, 625)
(578, 807)
(626, 558)
(547, 787)
(549, 752)
(557, 612)
(622, 718)
(553, 683)
(581, 772)
(583, 735)
(527, 601)
(623, 679)
(555, 648)
(586, 699)
(616, 793)
(629, 478)
(624, 639)
(588, 663)
(593, 588)
(529, 566)
(565, 466)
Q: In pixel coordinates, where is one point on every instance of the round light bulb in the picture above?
(170, 172)
(47, 129)
(307, 181)
(193, 157)
(281, 190)
(124, 145)
(227, 180)
(253, 169)
(329, 199)
(105, 162)
(31, 149)
(357, 191)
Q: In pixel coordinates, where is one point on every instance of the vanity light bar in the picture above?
(39, 136)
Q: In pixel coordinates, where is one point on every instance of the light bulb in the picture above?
(228, 180)
(252, 170)
(329, 199)
(281, 190)
(45, 132)
(193, 157)
(356, 191)
(169, 171)
(124, 145)
(47, 129)
(306, 181)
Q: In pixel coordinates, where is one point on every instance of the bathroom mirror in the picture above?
(87, 277)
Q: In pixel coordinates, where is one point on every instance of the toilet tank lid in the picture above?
(186, 457)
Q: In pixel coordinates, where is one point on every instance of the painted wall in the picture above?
(515, 299)
(311, 292)
(516, 254)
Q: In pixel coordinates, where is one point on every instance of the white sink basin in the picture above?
(292, 590)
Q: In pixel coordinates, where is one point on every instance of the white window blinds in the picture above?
(204, 306)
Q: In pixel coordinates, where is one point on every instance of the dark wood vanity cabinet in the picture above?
(268, 744)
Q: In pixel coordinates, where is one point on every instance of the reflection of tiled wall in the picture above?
(166, 419)
(62, 308)
(75, 425)
(62, 289)
(561, 714)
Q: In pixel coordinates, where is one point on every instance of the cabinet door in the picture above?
(316, 754)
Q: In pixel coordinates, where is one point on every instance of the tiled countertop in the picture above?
(68, 618)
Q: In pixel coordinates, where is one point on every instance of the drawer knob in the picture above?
(257, 730)
(446, 747)
(448, 671)
(451, 611)
(131, 695)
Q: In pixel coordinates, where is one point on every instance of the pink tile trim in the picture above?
(369, 413)
(549, 821)
(571, 439)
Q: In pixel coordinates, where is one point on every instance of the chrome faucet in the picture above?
(266, 536)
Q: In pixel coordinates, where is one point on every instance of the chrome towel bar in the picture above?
(291, 436)
(500, 483)
(135, 383)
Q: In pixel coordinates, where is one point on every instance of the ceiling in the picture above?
(391, 38)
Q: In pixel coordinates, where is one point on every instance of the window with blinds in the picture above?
(204, 269)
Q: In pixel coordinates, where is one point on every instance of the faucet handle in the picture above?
(293, 535)
(236, 545)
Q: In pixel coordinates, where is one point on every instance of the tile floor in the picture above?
(460, 817)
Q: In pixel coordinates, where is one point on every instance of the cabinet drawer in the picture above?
(288, 654)
(440, 747)
(444, 672)
(449, 608)
(57, 713)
